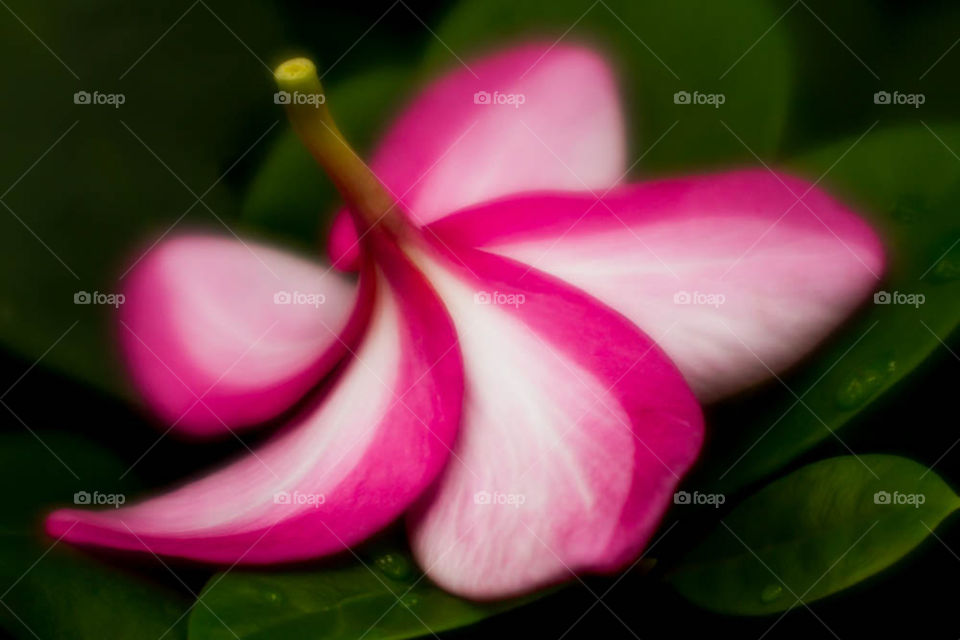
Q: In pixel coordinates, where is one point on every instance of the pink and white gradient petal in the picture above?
(576, 430)
(348, 466)
(221, 334)
(454, 146)
(738, 274)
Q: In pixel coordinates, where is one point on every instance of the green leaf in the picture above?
(814, 532)
(52, 590)
(84, 193)
(846, 52)
(905, 182)
(659, 48)
(386, 597)
(290, 196)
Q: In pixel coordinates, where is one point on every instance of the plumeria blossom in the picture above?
(519, 367)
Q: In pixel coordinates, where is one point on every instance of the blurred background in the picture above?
(186, 134)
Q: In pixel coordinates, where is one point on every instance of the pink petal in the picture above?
(209, 346)
(568, 409)
(446, 152)
(343, 244)
(789, 271)
(348, 466)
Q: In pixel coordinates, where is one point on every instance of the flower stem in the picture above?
(305, 103)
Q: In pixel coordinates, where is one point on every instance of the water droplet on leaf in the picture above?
(395, 565)
(771, 592)
(859, 387)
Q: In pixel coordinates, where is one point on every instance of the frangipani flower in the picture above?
(501, 387)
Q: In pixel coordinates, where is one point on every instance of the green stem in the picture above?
(307, 110)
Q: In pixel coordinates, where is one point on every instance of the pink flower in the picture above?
(501, 387)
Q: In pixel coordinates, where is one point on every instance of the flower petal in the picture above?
(454, 146)
(576, 429)
(347, 467)
(736, 275)
(220, 333)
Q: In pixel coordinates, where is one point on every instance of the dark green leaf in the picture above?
(814, 532)
(905, 182)
(54, 591)
(383, 598)
(659, 48)
(846, 52)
